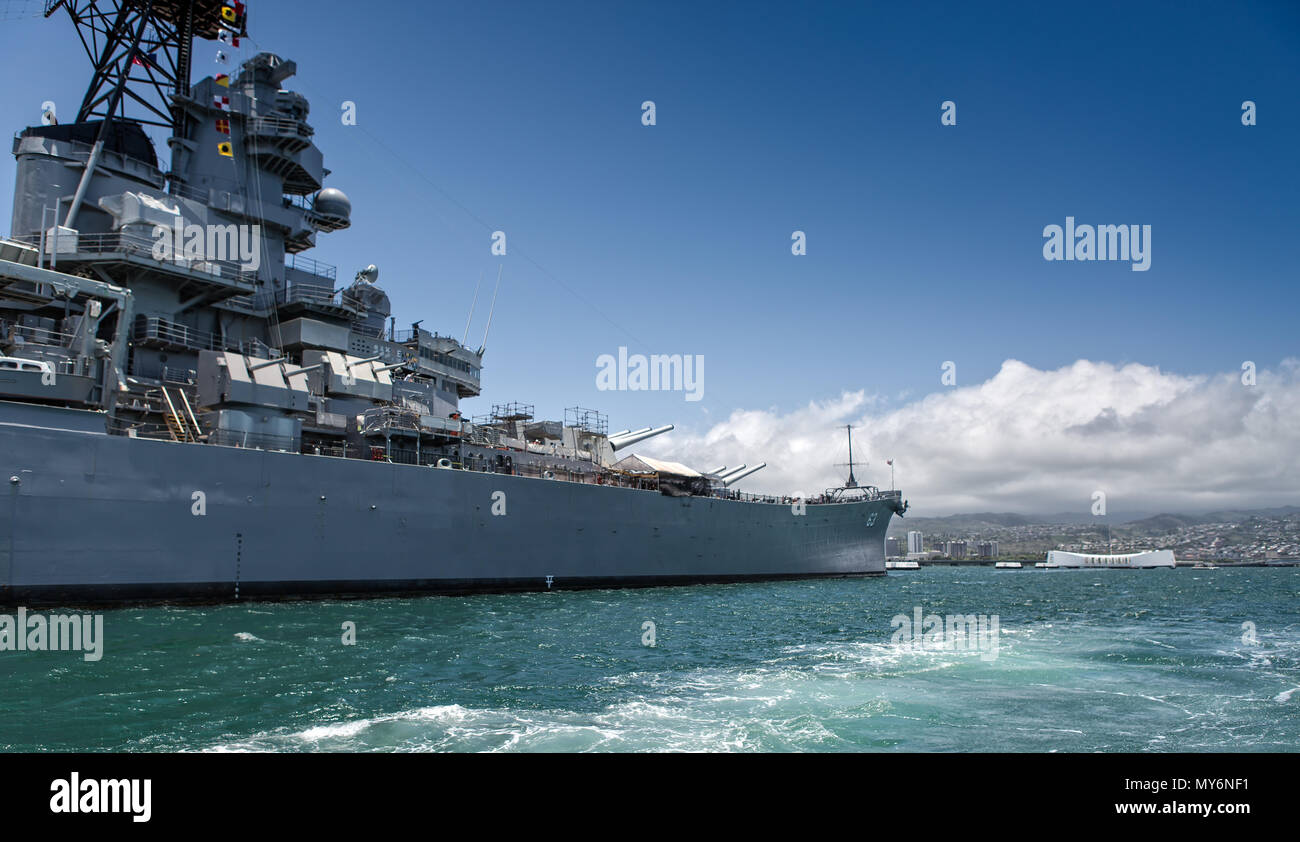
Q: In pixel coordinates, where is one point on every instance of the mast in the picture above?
(144, 48)
(852, 482)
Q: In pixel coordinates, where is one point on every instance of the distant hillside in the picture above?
(1134, 522)
(1238, 515)
(977, 521)
(1160, 524)
(966, 522)
(1170, 523)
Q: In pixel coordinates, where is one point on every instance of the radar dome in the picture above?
(333, 207)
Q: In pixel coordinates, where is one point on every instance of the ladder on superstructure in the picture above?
(180, 419)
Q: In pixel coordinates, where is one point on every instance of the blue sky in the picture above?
(924, 241)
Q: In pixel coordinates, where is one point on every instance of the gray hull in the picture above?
(99, 518)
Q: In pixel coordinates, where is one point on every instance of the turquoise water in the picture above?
(1103, 660)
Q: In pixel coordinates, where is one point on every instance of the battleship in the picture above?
(193, 409)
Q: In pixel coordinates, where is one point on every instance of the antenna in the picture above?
(852, 483)
(471, 307)
(491, 310)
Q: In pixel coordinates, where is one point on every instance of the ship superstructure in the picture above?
(190, 407)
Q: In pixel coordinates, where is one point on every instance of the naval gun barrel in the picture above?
(639, 435)
(717, 470)
(725, 472)
(735, 476)
(266, 363)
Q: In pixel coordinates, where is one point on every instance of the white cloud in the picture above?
(1036, 441)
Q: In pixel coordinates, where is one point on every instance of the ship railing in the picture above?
(360, 328)
(559, 474)
(403, 455)
(340, 451)
(279, 126)
(158, 329)
(179, 376)
(292, 294)
(309, 294)
(251, 441)
(257, 305)
(746, 497)
(433, 424)
(247, 303)
(333, 420)
(117, 242)
(42, 336)
(389, 418)
(227, 438)
(585, 477)
(785, 500)
(412, 335)
(139, 430)
(312, 266)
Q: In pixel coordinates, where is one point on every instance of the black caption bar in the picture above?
(133, 792)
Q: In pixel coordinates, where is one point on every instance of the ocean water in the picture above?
(1107, 660)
